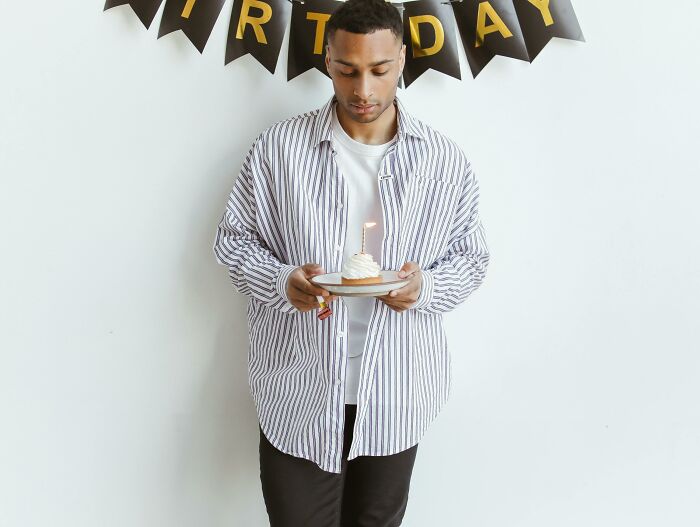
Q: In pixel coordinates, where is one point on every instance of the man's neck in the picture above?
(378, 132)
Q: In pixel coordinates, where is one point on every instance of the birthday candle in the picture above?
(364, 227)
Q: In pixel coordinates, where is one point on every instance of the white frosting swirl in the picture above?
(360, 265)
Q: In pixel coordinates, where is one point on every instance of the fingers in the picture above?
(306, 299)
(399, 299)
(398, 307)
(411, 289)
(310, 289)
(311, 269)
(301, 283)
(305, 302)
(391, 301)
(303, 292)
(408, 268)
(401, 291)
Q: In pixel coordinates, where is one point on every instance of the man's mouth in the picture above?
(363, 108)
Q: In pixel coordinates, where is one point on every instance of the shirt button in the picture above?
(340, 204)
(341, 333)
(338, 248)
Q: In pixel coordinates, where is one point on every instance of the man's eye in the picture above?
(378, 73)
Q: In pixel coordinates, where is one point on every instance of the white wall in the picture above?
(123, 390)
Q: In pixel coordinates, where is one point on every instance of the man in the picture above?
(342, 402)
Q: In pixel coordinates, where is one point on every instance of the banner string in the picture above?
(396, 5)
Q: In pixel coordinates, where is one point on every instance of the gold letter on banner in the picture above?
(485, 8)
(543, 6)
(257, 23)
(188, 9)
(322, 18)
(415, 35)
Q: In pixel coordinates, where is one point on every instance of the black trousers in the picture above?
(371, 491)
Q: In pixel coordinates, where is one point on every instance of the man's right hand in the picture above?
(302, 292)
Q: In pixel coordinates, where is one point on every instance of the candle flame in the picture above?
(370, 224)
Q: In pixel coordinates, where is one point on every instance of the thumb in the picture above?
(407, 268)
(312, 269)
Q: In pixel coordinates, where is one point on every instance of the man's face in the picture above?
(365, 69)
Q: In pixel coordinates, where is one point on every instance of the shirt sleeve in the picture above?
(254, 269)
(448, 281)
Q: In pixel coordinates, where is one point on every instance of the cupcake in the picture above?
(360, 269)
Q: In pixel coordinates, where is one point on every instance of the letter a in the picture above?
(485, 8)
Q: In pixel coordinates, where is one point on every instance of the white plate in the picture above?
(332, 282)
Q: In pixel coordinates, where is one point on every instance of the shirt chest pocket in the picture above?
(428, 212)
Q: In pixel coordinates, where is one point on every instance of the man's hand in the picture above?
(401, 299)
(301, 292)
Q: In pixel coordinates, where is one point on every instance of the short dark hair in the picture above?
(365, 16)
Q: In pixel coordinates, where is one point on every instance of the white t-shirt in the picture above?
(359, 164)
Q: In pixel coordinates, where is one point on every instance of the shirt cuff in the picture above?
(426, 290)
(281, 283)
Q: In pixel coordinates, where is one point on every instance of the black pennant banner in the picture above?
(257, 28)
(145, 9)
(489, 29)
(196, 19)
(306, 36)
(543, 19)
(429, 35)
(517, 29)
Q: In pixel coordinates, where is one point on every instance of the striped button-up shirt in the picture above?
(287, 208)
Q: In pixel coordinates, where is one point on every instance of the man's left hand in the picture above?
(403, 298)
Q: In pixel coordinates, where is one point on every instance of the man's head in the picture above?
(365, 56)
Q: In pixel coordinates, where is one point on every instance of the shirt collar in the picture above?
(322, 127)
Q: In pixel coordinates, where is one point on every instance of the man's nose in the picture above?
(363, 87)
